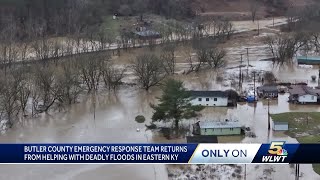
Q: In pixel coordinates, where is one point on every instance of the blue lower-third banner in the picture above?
(275, 152)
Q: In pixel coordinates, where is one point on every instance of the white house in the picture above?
(304, 94)
(209, 98)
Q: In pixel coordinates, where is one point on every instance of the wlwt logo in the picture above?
(276, 153)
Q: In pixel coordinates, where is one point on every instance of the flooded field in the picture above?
(112, 121)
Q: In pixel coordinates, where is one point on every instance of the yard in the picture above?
(303, 126)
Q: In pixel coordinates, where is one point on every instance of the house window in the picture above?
(207, 99)
(205, 130)
(215, 99)
(312, 97)
(200, 99)
(231, 129)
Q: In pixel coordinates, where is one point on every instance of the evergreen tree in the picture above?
(174, 104)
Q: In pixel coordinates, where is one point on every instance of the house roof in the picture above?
(202, 139)
(280, 123)
(208, 94)
(303, 90)
(217, 124)
(269, 88)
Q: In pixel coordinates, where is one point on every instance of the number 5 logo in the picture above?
(275, 147)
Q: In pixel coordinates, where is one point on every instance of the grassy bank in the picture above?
(300, 123)
(304, 126)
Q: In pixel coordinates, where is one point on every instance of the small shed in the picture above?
(216, 128)
(280, 126)
(202, 139)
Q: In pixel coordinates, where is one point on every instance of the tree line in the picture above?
(42, 86)
(301, 34)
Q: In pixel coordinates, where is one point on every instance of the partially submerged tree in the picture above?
(174, 104)
(112, 76)
(284, 46)
(254, 7)
(211, 56)
(149, 70)
(168, 59)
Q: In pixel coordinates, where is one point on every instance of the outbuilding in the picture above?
(217, 128)
(280, 126)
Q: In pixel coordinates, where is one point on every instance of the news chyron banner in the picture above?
(275, 152)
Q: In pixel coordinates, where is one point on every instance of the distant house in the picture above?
(216, 128)
(304, 94)
(147, 34)
(202, 139)
(280, 126)
(268, 91)
(210, 98)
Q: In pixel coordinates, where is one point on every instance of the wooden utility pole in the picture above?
(240, 75)
(254, 85)
(297, 175)
(248, 61)
(258, 28)
(245, 171)
(269, 114)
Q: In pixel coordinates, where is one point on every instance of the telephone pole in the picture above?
(297, 175)
(240, 75)
(248, 61)
(254, 85)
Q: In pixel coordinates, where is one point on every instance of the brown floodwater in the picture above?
(112, 121)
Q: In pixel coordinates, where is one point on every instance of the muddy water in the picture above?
(112, 121)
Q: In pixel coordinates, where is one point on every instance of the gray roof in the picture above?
(217, 124)
(280, 123)
(208, 94)
(268, 88)
(303, 90)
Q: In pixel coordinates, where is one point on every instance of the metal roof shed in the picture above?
(280, 126)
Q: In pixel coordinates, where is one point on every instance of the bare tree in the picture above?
(8, 98)
(112, 76)
(68, 80)
(149, 70)
(254, 7)
(190, 60)
(216, 58)
(48, 91)
(284, 46)
(168, 59)
(24, 91)
(90, 67)
(223, 29)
